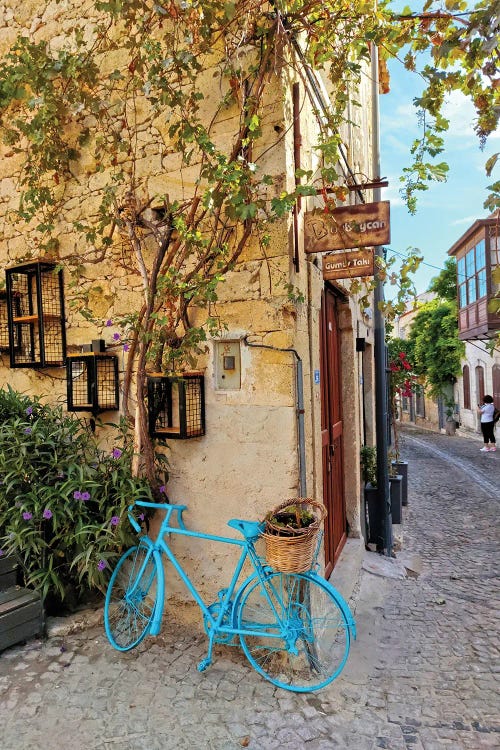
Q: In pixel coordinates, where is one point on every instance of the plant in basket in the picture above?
(291, 532)
(290, 520)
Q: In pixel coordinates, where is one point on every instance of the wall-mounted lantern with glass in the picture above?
(92, 381)
(35, 310)
(176, 406)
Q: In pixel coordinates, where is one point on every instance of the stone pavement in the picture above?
(423, 674)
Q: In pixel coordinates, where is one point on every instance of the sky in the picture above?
(446, 210)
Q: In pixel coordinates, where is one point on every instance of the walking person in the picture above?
(487, 411)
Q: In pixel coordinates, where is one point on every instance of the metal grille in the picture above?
(176, 406)
(4, 322)
(36, 315)
(92, 382)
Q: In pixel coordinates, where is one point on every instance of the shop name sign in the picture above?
(364, 225)
(347, 265)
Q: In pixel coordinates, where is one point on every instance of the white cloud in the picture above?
(402, 117)
(460, 111)
(465, 220)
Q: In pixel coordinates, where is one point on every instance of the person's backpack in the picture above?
(496, 416)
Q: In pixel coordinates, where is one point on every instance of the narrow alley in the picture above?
(423, 674)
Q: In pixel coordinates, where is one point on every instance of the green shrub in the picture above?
(368, 455)
(63, 499)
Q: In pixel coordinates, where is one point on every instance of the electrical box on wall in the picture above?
(227, 365)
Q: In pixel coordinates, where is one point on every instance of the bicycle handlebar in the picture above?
(168, 507)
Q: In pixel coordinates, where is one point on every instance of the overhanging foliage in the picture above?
(135, 81)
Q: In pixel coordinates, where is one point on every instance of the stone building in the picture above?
(289, 385)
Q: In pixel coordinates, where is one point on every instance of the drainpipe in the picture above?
(381, 406)
(300, 410)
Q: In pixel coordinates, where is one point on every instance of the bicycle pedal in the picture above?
(204, 663)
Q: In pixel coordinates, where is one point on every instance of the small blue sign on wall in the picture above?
(316, 377)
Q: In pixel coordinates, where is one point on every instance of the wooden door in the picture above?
(496, 385)
(480, 384)
(331, 432)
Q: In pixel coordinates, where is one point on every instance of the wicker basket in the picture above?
(290, 550)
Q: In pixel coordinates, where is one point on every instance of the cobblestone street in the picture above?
(423, 674)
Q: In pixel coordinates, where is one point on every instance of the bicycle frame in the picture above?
(160, 546)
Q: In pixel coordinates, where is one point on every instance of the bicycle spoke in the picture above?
(129, 608)
(314, 635)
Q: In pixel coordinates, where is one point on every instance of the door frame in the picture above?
(332, 430)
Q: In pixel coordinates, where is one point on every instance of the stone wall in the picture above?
(248, 459)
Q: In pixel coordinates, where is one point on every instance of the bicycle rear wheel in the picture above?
(302, 636)
(130, 598)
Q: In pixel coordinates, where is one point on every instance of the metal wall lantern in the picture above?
(92, 381)
(35, 315)
(176, 406)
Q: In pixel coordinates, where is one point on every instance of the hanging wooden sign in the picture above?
(363, 225)
(348, 264)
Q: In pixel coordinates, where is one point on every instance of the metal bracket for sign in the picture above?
(369, 185)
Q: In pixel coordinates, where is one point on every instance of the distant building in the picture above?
(478, 254)
(419, 408)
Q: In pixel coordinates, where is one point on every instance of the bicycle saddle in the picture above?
(249, 529)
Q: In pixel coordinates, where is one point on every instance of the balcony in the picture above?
(477, 253)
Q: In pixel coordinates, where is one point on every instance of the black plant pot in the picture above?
(401, 467)
(396, 485)
(374, 519)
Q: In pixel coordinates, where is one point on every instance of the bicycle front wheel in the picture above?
(301, 635)
(130, 598)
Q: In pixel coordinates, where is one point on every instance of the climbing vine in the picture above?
(131, 89)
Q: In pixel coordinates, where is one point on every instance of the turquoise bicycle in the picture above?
(294, 628)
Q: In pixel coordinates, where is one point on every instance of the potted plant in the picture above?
(398, 466)
(372, 516)
(372, 511)
(396, 490)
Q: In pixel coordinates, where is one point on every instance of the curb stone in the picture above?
(87, 618)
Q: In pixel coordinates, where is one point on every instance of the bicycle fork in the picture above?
(160, 595)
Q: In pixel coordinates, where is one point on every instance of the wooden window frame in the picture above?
(480, 384)
(471, 276)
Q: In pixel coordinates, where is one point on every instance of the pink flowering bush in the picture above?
(402, 383)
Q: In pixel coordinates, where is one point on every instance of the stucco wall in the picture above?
(476, 355)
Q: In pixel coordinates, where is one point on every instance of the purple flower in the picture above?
(1, 552)
(141, 516)
(85, 496)
(47, 514)
(27, 515)
(116, 337)
(126, 347)
(116, 453)
(163, 489)
(115, 520)
(77, 495)
(27, 430)
(109, 323)
(29, 411)
(101, 564)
